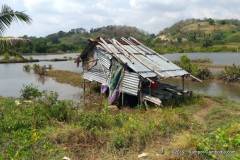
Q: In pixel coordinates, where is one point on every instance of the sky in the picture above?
(50, 16)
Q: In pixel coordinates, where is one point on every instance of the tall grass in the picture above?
(47, 128)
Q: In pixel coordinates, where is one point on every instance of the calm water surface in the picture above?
(12, 77)
(227, 58)
(230, 91)
(211, 88)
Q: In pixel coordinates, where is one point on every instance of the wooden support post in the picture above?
(183, 82)
(90, 88)
(140, 97)
(84, 89)
(122, 98)
(101, 98)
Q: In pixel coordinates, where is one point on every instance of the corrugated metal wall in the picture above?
(130, 83)
(104, 58)
(100, 72)
(95, 76)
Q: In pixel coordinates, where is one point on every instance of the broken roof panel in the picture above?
(141, 59)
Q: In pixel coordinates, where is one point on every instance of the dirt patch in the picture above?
(200, 115)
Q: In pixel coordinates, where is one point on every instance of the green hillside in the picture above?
(199, 35)
(192, 35)
(76, 39)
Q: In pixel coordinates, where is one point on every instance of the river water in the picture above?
(217, 58)
(12, 77)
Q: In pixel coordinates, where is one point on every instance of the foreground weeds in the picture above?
(46, 128)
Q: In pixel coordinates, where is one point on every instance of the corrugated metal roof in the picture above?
(141, 59)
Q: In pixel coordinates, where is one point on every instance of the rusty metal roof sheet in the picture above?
(140, 58)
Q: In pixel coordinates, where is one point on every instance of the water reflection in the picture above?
(211, 88)
(42, 79)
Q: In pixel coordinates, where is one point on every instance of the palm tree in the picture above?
(7, 16)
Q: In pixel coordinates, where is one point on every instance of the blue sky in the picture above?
(50, 16)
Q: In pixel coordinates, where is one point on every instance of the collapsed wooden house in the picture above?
(127, 67)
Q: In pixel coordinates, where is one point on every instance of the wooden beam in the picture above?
(199, 80)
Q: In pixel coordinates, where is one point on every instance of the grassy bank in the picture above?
(38, 126)
(72, 78)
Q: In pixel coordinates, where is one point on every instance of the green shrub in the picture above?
(231, 73)
(120, 120)
(122, 139)
(204, 74)
(49, 98)
(27, 68)
(94, 121)
(125, 136)
(194, 69)
(60, 111)
(186, 64)
(30, 92)
(6, 56)
(36, 67)
(40, 70)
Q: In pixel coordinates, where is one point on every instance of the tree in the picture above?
(192, 36)
(7, 16)
(207, 42)
(211, 21)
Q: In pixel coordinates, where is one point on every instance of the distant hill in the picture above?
(200, 35)
(192, 35)
(76, 39)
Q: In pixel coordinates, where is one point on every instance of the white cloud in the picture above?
(50, 16)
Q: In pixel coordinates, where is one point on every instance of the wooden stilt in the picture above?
(101, 99)
(183, 83)
(140, 100)
(84, 89)
(122, 99)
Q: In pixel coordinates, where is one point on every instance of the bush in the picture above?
(61, 112)
(204, 74)
(194, 69)
(49, 98)
(30, 92)
(27, 68)
(6, 56)
(231, 73)
(207, 42)
(94, 121)
(186, 64)
(39, 69)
